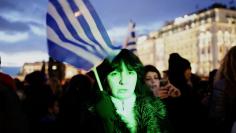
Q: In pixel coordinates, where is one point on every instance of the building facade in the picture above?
(27, 68)
(202, 37)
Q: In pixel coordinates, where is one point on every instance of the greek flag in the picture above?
(75, 34)
(130, 43)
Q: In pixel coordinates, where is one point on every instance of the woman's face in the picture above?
(151, 79)
(122, 81)
(187, 74)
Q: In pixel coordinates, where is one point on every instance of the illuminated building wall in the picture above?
(146, 51)
(202, 37)
(31, 67)
(37, 66)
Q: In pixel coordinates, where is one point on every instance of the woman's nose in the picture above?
(121, 82)
(123, 78)
(153, 80)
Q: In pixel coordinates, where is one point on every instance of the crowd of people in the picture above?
(134, 99)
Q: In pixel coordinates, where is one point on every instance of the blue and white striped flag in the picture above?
(130, 42)
(75, 34)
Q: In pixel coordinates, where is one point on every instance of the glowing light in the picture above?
(54, 67)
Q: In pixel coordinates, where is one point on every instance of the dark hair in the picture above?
(227, 72)
(151, 68)
(36, 78)
(132, 62)
(227, 69)
(81, 85)
(177, 67)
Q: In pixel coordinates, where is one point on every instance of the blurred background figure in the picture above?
(208, 92)
(165, 91)
(8, 81)
(12, 118)
(77, 111)
(223, 101)
(20, 91)
(49, 122)
(186, 112)
(160, 88)
(37, 96)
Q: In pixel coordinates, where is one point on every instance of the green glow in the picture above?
(125, 109)
(122, 82)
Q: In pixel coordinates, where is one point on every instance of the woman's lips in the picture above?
(154, 86)
(122, 90)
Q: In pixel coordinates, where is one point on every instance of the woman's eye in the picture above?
(113, 73)
(131, 72)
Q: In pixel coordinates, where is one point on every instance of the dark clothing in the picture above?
(49, 124)
(185, 112)
(222, 109)
(12, 120)
(36, 104)
(149, 114)
(77, 111)
(77, 115)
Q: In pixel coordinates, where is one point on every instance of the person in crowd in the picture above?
(37, 96)
(165, 91)
(125, 104)
(185, 112)
(20, 89)
(8, 81)
(77, 106)
(56, 86)
(12, 118)
(223, 100)
(208, 92)
(211, 79)
(49, 122)
(160, 88)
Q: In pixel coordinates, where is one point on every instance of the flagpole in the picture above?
(97, 78)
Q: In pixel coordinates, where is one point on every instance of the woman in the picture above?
(223, 100)
(125, 105)
(160, 88)
(185, 112)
